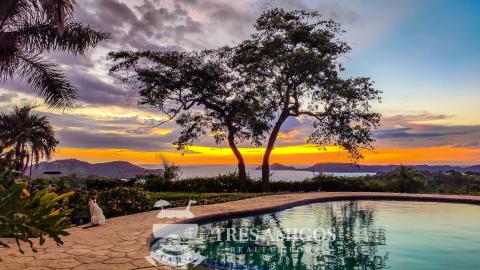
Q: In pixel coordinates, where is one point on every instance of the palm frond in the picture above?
(31, 27)
(47, 80)
(75, 38)
(58, 11)
(13, 11)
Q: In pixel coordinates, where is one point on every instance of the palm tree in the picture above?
(30, 135)
(406, 179)
(30, 28)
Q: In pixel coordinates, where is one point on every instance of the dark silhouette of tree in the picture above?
(200, 91)
(406, 179)
(292, 61)
(30, 28)
(30, 135)
(6, 166)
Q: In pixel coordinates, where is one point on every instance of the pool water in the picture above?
(356, 235)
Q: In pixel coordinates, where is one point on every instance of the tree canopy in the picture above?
(30, 135)
(200, 91)
(292, 60)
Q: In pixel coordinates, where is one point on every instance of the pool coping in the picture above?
(377, 196)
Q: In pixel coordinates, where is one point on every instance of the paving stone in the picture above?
(94, 266)
(117, 260)
(122, 242)
(78, 251)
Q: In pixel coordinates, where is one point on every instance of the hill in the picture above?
(114, 169)
(352, 168)
(279, 167)
(349, 167)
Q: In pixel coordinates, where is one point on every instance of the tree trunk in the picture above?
(30, 177)
(242, 173)
(18, 157)
(269, 148)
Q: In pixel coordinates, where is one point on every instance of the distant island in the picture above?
(352, 168)
(82, 169)
(279, 167)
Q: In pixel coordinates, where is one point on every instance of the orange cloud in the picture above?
(300, 154)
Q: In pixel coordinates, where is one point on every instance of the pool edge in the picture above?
(463, 199)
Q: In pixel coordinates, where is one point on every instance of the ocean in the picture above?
(188, 171)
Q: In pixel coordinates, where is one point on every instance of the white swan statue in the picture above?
(166, 213)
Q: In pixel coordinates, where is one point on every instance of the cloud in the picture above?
(201, 24)
(85, 139)
(96, 92)
(7, 97)
(428, 131)
(470, 144)
(420, 130)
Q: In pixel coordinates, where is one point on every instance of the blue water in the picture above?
(363, 235)
(188, 171)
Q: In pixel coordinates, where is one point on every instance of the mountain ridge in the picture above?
(352, 168)
(114, 169)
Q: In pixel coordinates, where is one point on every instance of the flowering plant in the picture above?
(24, 216)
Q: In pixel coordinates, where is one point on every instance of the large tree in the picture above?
(30, 135)
(293, 62)
(200, 91)
(30, 28)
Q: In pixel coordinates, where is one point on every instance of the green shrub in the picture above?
(156, 183)
(24, 216)
(221, 183)
(114, 202)
(454, 183)
(406, 180)
(53, 184)
(103, 183)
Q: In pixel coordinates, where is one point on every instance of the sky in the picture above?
(424, 55)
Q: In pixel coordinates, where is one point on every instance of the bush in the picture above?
(114, 202)
(221, 183)
(53, 184)
(24, 216)
(103, 183)
(156, 183)
(406, 180)
(231, 183)
(454, 183)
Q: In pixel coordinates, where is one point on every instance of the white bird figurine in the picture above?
(177, 213)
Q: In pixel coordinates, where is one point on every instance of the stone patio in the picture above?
(122, 242)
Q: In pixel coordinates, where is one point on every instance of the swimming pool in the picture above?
(344, 235)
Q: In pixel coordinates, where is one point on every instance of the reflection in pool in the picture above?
(352, 235)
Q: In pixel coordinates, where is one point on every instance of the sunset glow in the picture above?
(303, 154)
(422, 55)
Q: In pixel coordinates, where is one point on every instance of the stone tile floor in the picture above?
(122, 242)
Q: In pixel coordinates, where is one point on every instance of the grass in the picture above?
(177, 199)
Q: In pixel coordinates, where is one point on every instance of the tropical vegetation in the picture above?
(29, 134)
(25, 216)
(29, 29)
